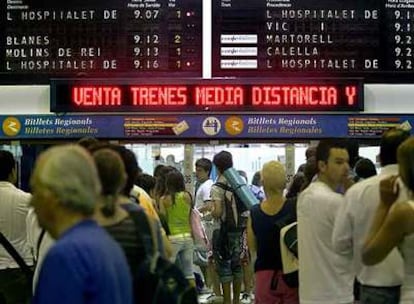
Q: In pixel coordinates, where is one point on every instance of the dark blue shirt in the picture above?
(268, 237)
(84, 266)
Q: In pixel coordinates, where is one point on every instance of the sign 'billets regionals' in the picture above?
(323, 38)
(115, 38)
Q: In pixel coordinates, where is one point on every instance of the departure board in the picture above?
(134, 38)
(373, 39)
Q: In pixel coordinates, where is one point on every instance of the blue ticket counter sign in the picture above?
(193, 127)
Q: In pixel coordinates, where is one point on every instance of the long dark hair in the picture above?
(174, 183)
(160, 179)
(113, 177)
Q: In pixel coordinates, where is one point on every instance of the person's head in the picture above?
(111, 171)
(352, 146)
(296, 186)
(160, 187)
(332, 161)
(158, 170)
(203, 168)
(8, 171)
(130, 163)
(390, 141)
(87, 142)
(365, 168)
(170, 159)
(273, 178)
(309, 171)
(310, 152)
(405, 156)
(223, 161)
(310, 155)
(256, 179)
(146, 182)
(174, 182)
(65, 185)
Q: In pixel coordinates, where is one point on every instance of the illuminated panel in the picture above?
(373, 39)
(95, 38)
(148, 96)
(195, 95)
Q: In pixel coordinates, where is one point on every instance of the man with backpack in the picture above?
(226, 239)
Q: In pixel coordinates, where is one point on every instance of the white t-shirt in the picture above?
(14, 206)
(325, 277)
(203, 194)
(352, 227)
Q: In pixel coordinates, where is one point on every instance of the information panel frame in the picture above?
(372, 39)
(197, 95)
(40, 40)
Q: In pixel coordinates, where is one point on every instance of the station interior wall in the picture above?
(379, 99)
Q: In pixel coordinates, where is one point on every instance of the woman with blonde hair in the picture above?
(263, 237)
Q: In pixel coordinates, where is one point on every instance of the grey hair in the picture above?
(70, 173)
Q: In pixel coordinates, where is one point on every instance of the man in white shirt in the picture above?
(202, 196)
(14, 206)
(324, 276)
(203, 204)
(379, 283)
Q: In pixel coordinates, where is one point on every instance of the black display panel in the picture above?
(206, 95)
(40, 39)
(373, 39)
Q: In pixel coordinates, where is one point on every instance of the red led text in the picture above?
(97, 96)
(294, 95)
(219, 96)
(350, 92)
(159, 95)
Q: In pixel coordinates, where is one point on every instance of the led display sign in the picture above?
(203, 95)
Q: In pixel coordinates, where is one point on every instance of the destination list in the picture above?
(314, 37)
(97, 37)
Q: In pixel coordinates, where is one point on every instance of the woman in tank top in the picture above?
(110, 214)
(177, 203)
(393, 224)
(263, 238)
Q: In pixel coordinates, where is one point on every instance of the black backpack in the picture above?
(157, 280)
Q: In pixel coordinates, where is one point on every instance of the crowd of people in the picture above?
(93, 220)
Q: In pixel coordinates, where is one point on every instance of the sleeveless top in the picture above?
(267, 237)
(125, 233)
(407, 251)
(178, 215)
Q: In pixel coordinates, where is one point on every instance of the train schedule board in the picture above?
(134, 38)
(373, 39)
